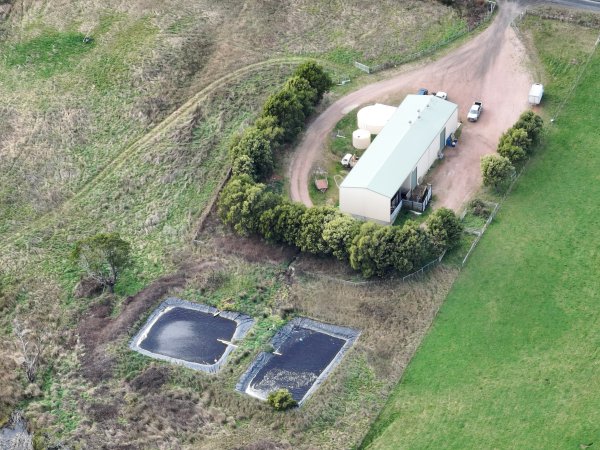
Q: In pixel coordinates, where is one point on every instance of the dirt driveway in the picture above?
(492, 67)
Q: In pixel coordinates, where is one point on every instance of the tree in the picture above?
(532, 124)
(444, 229)
(257, 147)
(514, 153)
(281, 399)
(288, 222)
(310, 236)
(363, 251)
(282, 222)
(316, 76)
(270, 129)
(242, 203)
(243, 165)
(305, 93)
(339, 233)
(515, 137)
(496, 170)
(411, 246)
(287, 108)
(103, 256)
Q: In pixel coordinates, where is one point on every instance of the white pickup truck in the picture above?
(475, 112)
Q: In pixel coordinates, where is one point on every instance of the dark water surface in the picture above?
(304, 356)
(189, 335)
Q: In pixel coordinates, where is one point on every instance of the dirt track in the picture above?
(492, 67)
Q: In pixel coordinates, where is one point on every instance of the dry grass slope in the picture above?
(129, 133)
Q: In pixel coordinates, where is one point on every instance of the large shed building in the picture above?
(398, 159)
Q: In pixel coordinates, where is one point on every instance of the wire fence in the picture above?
(427, 51)
(480, 233)
(411, 276)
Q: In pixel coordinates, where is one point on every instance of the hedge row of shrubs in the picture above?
(250, 207)
(515, 145)
(282, 119)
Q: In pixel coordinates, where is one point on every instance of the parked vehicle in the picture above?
(349, 160)
(442, 95)
(475, 112)
(422, 91)
(535, 93)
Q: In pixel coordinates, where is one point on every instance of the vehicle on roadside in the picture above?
(475, 112)
(535, 93)
(422, 91)
(441, 94)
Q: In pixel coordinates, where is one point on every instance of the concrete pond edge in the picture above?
(349, 335)
(243, 321)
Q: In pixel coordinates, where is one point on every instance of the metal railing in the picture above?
(419, 206)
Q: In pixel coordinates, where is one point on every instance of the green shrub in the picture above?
(310, 236)
(288, 110)
(281, 400)
(376, 249)
(102, 257)
(532, 124)
(243, 165)
(444, 229)
(305, 93)
(270, 129)
(411, 247)
(282, 223)
(479, 208)
(516, 137)
(362, 254)
(242, 202)
(339, 233)
(513, 153)
(256, 146)
(496, 170)
(316, 76)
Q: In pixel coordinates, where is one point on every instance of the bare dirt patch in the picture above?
(251, 248)
(150, 379)
(98, 328)
(492, 67)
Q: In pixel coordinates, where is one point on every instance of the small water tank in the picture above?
(361, 139)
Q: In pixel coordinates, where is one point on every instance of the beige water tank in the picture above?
(361, 139)
(374, 117)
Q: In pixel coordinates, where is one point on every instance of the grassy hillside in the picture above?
(127, 133)
(512, 359)
(73, 113)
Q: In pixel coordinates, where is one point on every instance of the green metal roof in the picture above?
(395, 152)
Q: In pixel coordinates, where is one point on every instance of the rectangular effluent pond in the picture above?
(305, 351)
(197, 336)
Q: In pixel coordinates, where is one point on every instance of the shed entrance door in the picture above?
(413, 179)
(443, 139)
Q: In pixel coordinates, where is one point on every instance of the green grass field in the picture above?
(512, 359)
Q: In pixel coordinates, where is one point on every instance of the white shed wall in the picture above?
(364, 204)
(431, 154)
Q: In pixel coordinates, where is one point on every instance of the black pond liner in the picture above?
(305, 352)
(197, 336)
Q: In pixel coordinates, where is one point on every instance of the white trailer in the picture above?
(535, 94)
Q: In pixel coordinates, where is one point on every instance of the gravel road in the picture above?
(492, 67)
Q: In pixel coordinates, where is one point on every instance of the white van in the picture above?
(535, 94)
